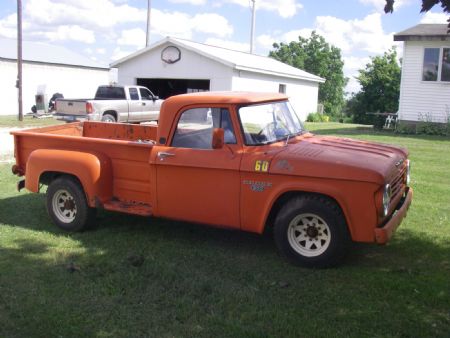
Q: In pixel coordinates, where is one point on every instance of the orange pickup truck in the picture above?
(234, 160)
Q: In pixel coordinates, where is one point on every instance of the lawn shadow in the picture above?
(29, 213)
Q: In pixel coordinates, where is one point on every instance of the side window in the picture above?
(430, 64)
(194, 129)
(445, 71)
(145, 94)
(134, 94)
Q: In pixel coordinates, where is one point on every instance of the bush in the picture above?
(316, 117)
(423, 127)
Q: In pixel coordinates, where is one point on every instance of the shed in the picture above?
(46, 69)
(425, 80)
(174, 66)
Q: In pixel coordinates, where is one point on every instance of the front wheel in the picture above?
(311, 231)
(67, 205)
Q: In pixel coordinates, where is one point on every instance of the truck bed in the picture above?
(127, 146)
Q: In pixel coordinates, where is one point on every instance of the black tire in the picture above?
(67, 205)
(108, 118)
(311, 231)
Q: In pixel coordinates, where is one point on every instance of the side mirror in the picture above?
(154, 98)
(218, 138)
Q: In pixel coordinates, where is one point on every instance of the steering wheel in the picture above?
(268, 128)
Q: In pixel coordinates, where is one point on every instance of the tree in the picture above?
(316, 56)
(380, 87)
(426, 6)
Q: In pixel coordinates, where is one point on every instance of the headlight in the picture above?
(386, 199)
(408, 171)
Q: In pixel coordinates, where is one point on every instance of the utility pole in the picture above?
(252, 34)
(149, 9)
(19, 57)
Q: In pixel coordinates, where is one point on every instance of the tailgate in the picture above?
(71, 107)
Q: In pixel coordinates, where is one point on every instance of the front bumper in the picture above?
(383, 234)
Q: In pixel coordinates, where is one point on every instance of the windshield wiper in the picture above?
(288, 136)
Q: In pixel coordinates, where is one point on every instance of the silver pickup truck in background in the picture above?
(111, 104)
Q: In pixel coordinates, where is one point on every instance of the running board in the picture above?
(140, 209)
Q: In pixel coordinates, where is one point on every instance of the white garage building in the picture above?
(174, 66)
(49, 69)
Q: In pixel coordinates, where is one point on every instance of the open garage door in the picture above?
(168, 87)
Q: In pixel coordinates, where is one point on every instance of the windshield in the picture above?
(269, 122)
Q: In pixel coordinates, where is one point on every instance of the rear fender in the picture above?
(93, 170)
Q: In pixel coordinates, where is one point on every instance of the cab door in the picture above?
(195, 182)
(150, 106)
(134, 105)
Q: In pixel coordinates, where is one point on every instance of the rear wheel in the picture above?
(67, 205)
(311, 231)
(108, 118)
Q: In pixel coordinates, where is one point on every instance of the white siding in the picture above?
(72, 82)
(191, 66)
(419, 98)
(302, 94)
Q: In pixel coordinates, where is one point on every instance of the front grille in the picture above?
(398, 183)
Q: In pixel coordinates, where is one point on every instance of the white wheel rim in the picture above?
(64, 206)
(108, 119)
(309, 235)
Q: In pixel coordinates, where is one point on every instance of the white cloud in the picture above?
(379, 4)
(239, 46)
(190, 2)
(431, 17)
(64, 33)
(8, 26)
(212, 24)
(365, 35)
(351, 66)
(285, 8)
(132, 37)
(119, 53)
(183, 25)
(88, 13)
(356, 38)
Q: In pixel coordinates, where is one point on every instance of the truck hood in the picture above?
(339, 158)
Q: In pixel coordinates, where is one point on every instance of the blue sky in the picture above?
(105, 30)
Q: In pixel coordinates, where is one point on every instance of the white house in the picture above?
(174, 66)
(48, 69)
(425, 81)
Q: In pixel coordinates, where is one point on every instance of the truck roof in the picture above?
(228, 97)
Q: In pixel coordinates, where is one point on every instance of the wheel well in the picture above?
(287, 196)
(48, 176)
(111, 112)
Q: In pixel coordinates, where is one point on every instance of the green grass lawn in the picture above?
(28, 121)
(196, 281)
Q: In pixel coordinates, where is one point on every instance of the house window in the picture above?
(445, 70)
(435, 67)
(282, 88)
(430, 64)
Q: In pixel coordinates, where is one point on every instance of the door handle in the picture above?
(162, 155)
(143, 103)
